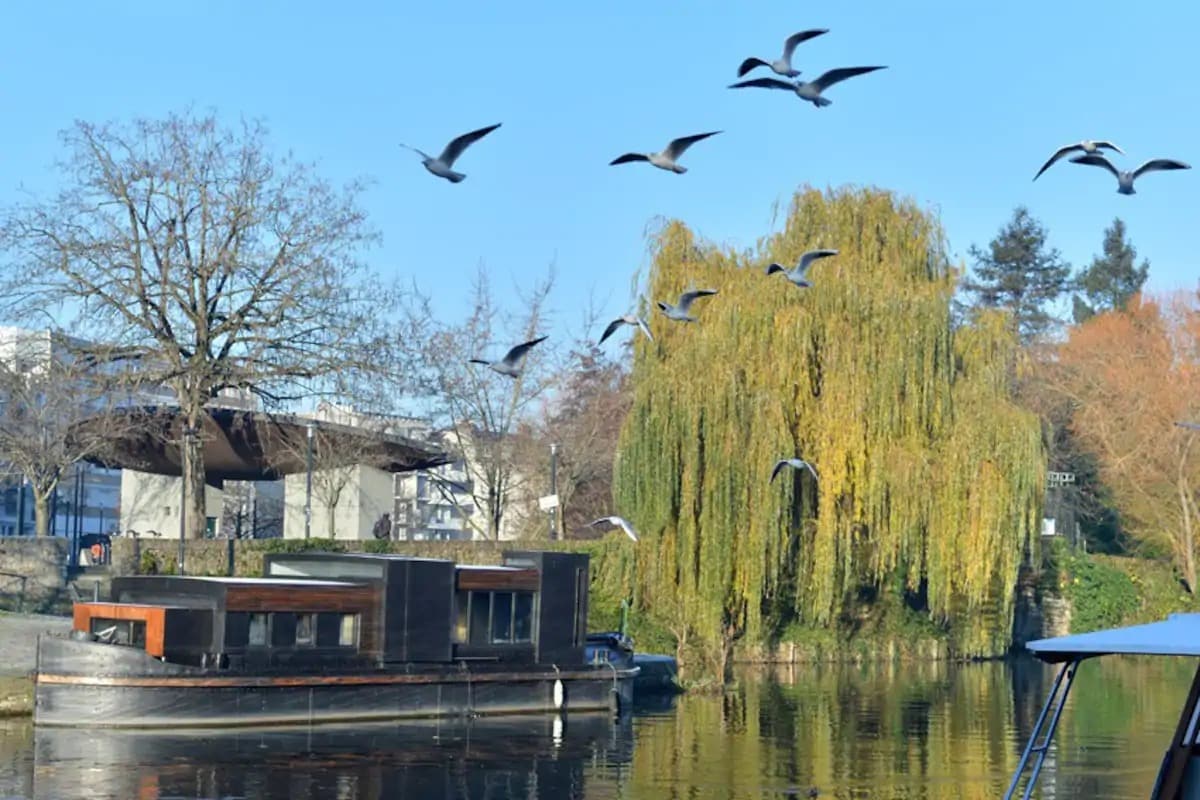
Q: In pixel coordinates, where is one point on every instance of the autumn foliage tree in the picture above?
(1129, 376)
(930, 476)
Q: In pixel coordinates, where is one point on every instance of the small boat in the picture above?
(332, 637)
(1177, 635)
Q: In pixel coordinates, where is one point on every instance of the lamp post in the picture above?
(312, 427)
(189, 434)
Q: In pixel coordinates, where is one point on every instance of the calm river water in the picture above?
(886, 731)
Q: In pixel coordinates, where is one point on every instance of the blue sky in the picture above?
(976, 96)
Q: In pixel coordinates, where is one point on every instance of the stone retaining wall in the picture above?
(32, 572)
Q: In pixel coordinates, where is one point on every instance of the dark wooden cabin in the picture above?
(355, 610)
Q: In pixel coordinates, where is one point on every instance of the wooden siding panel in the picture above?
(499, 580)
(361, 600)
(153, 616)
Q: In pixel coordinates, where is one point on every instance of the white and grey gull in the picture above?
(1087, 146)
(621, 522)
(1125, 178)
(783, 64)
(514, 360)
(808, 90)
(799, 275)
(679, 311)
(794, 463)
(626, 319)
(442, 166)
(668, 157)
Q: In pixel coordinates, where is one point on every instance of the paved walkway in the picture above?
(18, 639)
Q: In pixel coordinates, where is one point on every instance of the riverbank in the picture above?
(18, 643)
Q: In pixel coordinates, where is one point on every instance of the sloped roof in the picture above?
(1177, 635)
(255, 446)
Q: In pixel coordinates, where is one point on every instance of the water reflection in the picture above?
(910, 732)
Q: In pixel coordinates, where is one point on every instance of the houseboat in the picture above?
(328, 637)
(1178, 635)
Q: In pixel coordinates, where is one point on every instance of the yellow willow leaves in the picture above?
(928, 474)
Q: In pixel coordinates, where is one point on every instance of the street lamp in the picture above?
(312, 427)
(189, 434)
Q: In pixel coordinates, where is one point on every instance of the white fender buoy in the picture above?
(559, 693)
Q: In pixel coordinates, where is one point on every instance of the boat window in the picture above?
(480, 612)
(461, 603)
(502, 603)
(523, 617)
(237, 628)
(283, 629)
(306, 629)
(129, 632)
(348, 635)
(258, 630)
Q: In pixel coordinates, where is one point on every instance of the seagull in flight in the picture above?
(782, 66)
(513, 361)
(810, 90)
(795, 463)
(679, 312)
(798, 275)
(619, 521)
(1125, 178)
(1088, 146)
(627, 319)
(670, 154)
(443, 164)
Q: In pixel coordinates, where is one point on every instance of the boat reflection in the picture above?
(488, 757)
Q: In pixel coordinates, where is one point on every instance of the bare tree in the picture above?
(47, 392)
(209, 262)
(482, 410)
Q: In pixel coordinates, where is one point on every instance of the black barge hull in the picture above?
(96, 685)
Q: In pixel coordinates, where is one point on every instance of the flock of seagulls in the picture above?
(512, 364)
(1093, 156)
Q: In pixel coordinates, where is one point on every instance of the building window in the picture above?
(348, 634)
(480, 617)
(502, 617)
(306, 629)
(461, 607)
(258, 630)
(523, 617)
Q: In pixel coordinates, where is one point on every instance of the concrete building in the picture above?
(430, 504)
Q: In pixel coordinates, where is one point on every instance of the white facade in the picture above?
(428, 504)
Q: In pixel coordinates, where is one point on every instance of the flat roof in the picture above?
(1177, 635)
(493, 568)
(283, 581)
(317, 554)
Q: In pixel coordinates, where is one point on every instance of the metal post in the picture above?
(21, 507)
(308, 480)
(253, 510)
(554, 490)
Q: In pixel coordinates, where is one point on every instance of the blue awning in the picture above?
(1177, 635)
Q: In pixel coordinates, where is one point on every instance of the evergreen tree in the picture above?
(1111, 279)
(1020, 274)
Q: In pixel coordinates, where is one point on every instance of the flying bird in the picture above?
(798, 275)
(782, 66)
(1125, 178)
(615, 520)
(1195, 426)
(679, 312)
(796, 463)
(667, 158)
(810, 90)
(513, 362)
(1087, 145)
(442, 165)
(627, 319)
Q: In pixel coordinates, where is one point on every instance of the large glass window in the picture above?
(502, 617)
(348, 633)
(523, 617)
(306, 629)
(462, 602)
(481, 608)
(258, 630)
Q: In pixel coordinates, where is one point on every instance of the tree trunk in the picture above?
(193, 477)
(1188, 545)
(41, 510)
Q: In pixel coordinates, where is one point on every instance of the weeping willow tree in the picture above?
(929, 474)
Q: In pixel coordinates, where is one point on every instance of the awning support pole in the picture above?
(1058, 700)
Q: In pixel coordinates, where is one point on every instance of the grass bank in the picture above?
(16, 696)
